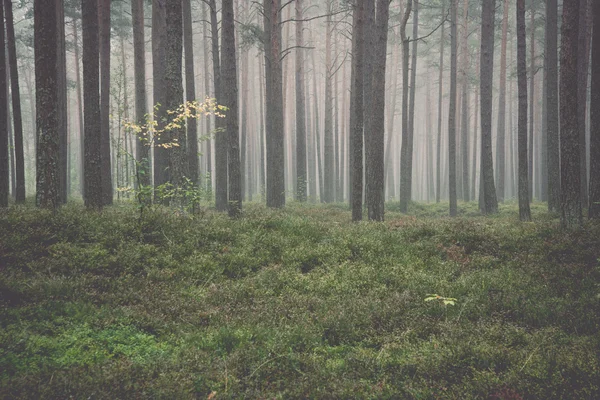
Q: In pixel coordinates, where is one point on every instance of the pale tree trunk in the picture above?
(406, 150)
(465, 118)
(490, 202)
(62, 101)
(357, 110)
(531, 97)
(4, 134)
(389, 172)
(207, 133)
(79, 101)
(438, 164)
(328, 156)
(552, 105)
(190, 93)
(161, 154)
(571, 207)
(452, 114)
(501, 130)
(583, 57)
(475, 135)
(230, 100)
(524, 210)
(91, 105)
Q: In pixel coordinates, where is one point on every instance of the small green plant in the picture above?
(446, 301)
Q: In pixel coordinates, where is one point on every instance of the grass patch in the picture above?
(297, 303)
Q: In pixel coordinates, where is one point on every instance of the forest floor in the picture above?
(298, 303)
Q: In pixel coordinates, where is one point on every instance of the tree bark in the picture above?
(571, 207)
(594, 209)
(357, 111)
(91, 106)
(4, 134)
(452, 113)
(438, 165)
(190, 94)
(552, 112)
(524, 210)
(328, 156)
(490, 202)
(159, 44)
(501, 129)
(300, 109)
(407, 148)
(583, 57)
(77, 61)
(104, 48)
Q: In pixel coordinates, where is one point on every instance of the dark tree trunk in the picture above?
(230, 100)
(159, 45)
(571, 212)
(144, 174)
(530, 145)
(490, 202)
(274, 102)
(501, 131)
(16, 105)
(406, 149)
(452, 113)
(375, 177)
(91, 105)
(4, 134)
(552, 105)
(524, 210)
(104, 21)
(594, 210)
(300, 109)
(583, 63)
(190, 93)
(62, 101)
(357, 110)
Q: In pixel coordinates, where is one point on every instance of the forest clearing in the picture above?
(297, 303)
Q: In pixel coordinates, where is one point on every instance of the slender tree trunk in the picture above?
(532, 101)
(207, 133)
(16, 105)
(356, 139)
(79, 103)
(230, 100)
(388, 167)
(406, 150)
(329, 161)
(190, 93)
(552, 105)
(475, 134)
(300, 109)
(159, 44)
(144, 173)
(524, 210)
(91, 105)
(104, 22)
(4, 123)
(571, 207)
(594, 210)
(262, 133)
(583, 57)
(62, 101)
(490, 201)
(452, 113)
(501, 131)
(438, 165)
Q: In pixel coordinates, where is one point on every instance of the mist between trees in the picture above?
(329, 101)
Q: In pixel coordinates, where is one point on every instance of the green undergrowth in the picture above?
(297, 303)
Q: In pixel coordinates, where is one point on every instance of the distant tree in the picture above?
(524, 210)
(552, 105)
(4, 134)
(91, 103)
(230, 100)
(274, 104)
(490, 202)
(16, 104)
(571, 210)
(105, 36)
(452, 112)
(594, 210)
(61, 78)
(583, 67)
(438, 164)
(501, 131)
(328, 195)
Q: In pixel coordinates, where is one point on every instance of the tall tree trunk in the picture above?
(594, 210)
(4, 134)
(262, 133)
(91, 105)
(207, 133)
(300, 109)
(552, 105)
(571, 207)
(143, 172)
(159, 44)
(474, 158)
(490, 202)
(77, 61)
(357, 109)
(230, 100)
(532, 101)
(583, 63)
(190, 94)
(274, 101)
(501, 131)
(62, 101)
(452, 113)
(375, 194)
(16, 105)
(438, 165)
(104, 48)
(524, 210)
(406, 150)
(465, 112)
(328, 156)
